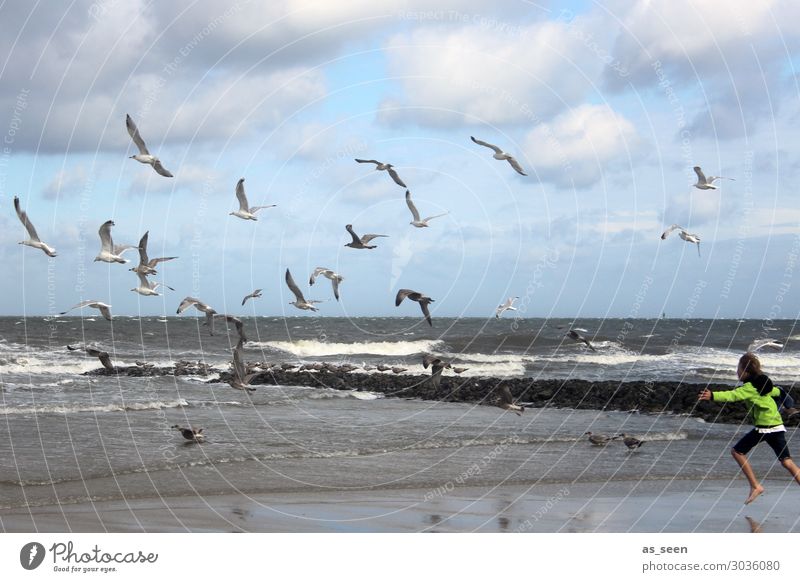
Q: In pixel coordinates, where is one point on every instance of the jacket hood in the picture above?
(762, 383)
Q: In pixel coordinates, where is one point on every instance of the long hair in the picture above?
(750, 366)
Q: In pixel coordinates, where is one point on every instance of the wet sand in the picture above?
(620, 506)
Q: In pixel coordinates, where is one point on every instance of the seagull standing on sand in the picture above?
(105, 359)
(574, 335)
(361, 242)
(201, 307)
(109, 252)
(148, 288)
(423, 301)
(240, 379)
(692, 238)
(254, 295)
(506, 401)
(33, 238)
(105, 309)
(144, 156)
(147, 265)
(246, 212)
(415, 213)
(299, 301)
(507, 306)
(388, 167)
(335, 279)
(190, 434)
(599, 439)
(501, 155)
(704, 183)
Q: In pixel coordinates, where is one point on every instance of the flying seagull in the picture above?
(388, 167)
(190, 434)
(105, 309)
(506, 401)
(437, 366)
(148, 288)
(574, 335)
(147, 265)
(707, 183)
(109, 252)
(144, 156)
(692, 238)
(246, 212)
(335, 279)
(361, 242)
(423, 301)
(200, 306)
(299, 301)
(501, 155)
(105, 359)
(507, 306)
(415, 213)
(760, 344)
(255, 294)
(33, 238)
(599, 439)
(631, 442)
(241, 379)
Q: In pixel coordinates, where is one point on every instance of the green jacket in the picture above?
(759, 394)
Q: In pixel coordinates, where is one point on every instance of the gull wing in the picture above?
(396, 178)
(670, 230)
(23, 217)
(133, 131)
(701, 177)
(105, 359)
(424, 306)
(239, 369)
(294, 288)
(143, 282)
(317, 272)
(104, 310)
(186, 304)
(515, 164)
(505, 395)
(402, 294)
(376, 162)
(143, 258)
(106, 242)
(496, 149)
(411, 207)
(161, 169)
(153, 262)
(368, 237)
(436, 216)
(356, 238)
(335, 285)
(241, 196)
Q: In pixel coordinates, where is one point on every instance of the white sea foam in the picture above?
(74, 408)
(311, 348)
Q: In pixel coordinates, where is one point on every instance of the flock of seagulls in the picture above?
(241, 377)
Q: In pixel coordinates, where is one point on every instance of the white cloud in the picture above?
(476, 75)
(577, 147)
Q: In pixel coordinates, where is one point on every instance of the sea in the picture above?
(67, 437)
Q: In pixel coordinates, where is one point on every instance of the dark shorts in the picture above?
(776, 440)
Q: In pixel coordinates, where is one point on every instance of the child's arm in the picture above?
(735, 395)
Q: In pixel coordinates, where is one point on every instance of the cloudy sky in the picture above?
(608, 106)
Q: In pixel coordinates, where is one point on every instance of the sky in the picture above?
(607, 106)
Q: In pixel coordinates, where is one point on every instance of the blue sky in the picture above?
(607, 106)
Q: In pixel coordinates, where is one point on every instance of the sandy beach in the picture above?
(620, 507)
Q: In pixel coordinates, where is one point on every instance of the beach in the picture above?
(711, 506)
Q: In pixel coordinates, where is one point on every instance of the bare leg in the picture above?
(755, 487)
(793, 469)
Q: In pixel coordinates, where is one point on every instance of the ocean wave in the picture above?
(310, 348)
(76, 408)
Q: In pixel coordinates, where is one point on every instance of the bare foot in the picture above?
(754, 492)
